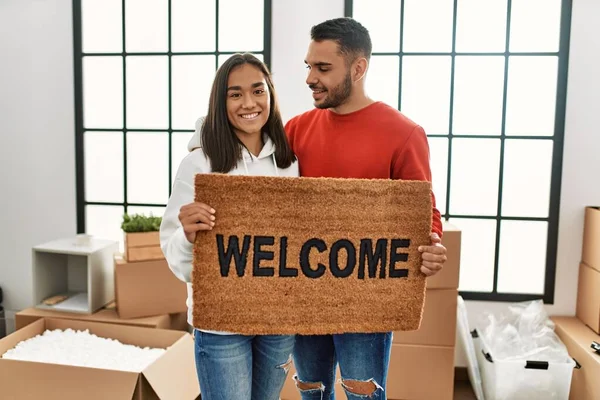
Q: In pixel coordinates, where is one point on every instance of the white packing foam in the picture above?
(82, 349)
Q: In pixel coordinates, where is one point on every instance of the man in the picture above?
(349, 135)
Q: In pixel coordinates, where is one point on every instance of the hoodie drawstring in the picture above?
(245, 165)
(251, 157)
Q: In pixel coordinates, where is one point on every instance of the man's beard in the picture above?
(338, 95)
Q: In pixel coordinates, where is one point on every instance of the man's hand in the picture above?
(196, 217)
(433, 256)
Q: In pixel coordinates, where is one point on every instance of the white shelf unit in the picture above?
(84, 273)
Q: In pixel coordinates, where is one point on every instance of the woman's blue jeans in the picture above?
(239, 367)
(363, 360)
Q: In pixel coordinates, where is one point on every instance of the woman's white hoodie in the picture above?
(175, 246)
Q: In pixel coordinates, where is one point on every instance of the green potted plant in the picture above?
(142, 242)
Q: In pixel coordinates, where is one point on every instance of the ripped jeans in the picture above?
(363, 360)
(238, 367)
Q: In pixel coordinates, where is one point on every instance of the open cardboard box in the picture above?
(164, 321)
(172, 376)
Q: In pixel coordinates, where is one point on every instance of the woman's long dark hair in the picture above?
(219, 141)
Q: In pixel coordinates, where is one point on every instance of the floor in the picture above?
(463, 391)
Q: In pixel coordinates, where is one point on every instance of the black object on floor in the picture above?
(2, 318)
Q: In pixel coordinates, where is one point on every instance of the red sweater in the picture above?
(374, 142)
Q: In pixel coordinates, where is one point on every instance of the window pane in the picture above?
(103, 155)
(102, 26)
(104, 222)
(426, 92)
(478, 94)
(179, 142)
(147, 167)
(147, 93)
(527, 172)
(478, 247)
(383, 23)
(535, 25)
(234, 14)
(383, 78)
(438, 150)
(187, 33)
(146, 25)
(192, 78)
(481, 26)
(531, 95)
(522, 257)
(103, 92)
(475, 174)
(428, 25)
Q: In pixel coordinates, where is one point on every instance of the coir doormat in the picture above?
(310, 255)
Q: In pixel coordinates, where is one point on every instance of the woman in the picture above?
(242, 134)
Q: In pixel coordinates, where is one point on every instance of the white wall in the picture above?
(36, 117)
(292, 21)
(37, 151)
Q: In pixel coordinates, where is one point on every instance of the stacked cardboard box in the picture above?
(147, 288)
(588, 292)
(429, 352)
(580, 332)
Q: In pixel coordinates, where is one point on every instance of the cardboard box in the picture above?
(148, 288)
(143, 246)
(290, 392)
(83, 273)
(448, 277)
(165, 321)
(421, 373)
(415, 373)
(438, 326)
(590, 253)
(588, 297)
(585, 384)
(171, 377)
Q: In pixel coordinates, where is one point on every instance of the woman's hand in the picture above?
(196, 217)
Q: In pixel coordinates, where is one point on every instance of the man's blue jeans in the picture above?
(363, 360)
(238, 367)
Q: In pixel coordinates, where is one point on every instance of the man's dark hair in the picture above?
(353, 38)
(219, 141)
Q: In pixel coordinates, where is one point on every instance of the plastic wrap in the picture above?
(524, 332)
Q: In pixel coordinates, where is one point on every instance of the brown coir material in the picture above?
(310, 255)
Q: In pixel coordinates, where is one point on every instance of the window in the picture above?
(143, 73)
(487, 81)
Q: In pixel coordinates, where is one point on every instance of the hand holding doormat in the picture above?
(310, 255)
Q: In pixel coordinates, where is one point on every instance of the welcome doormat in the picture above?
(310, 255)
